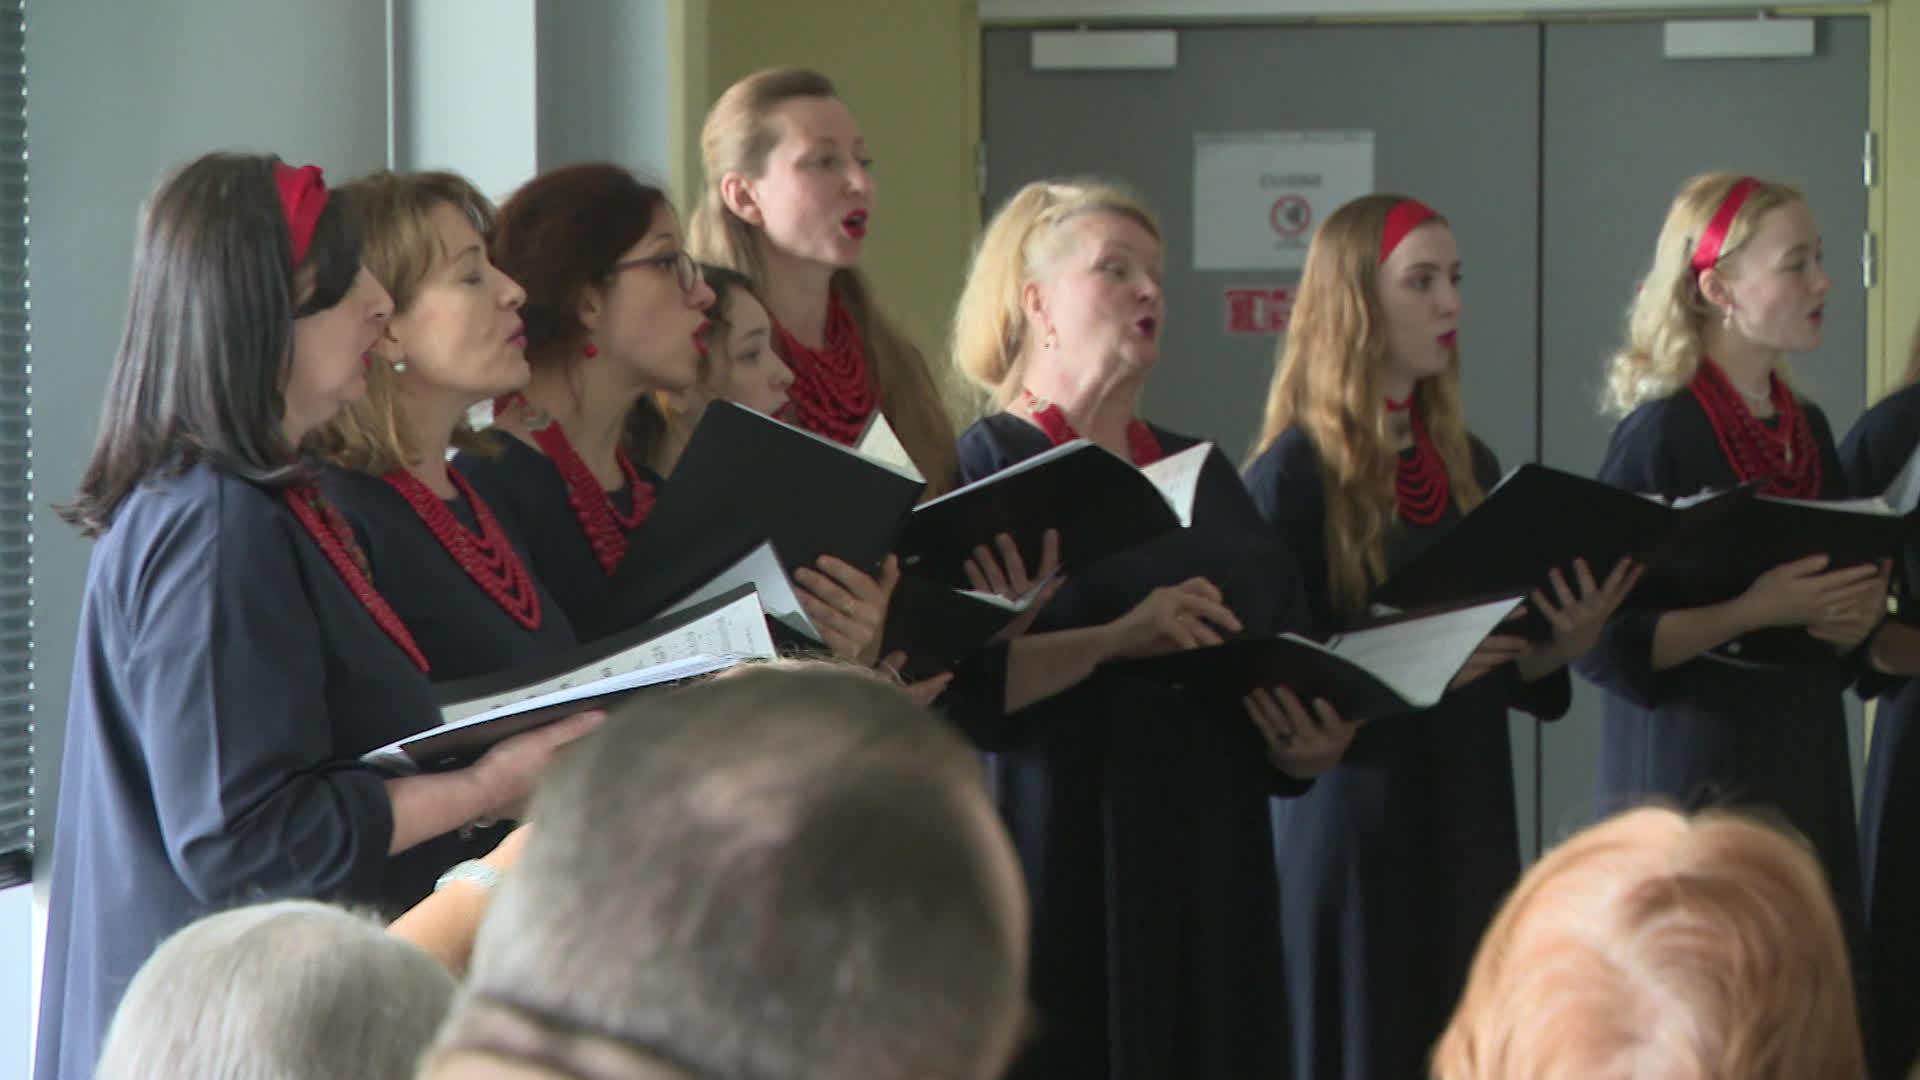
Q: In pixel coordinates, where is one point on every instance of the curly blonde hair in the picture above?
(1326, 381)
(1026, 235)
(1665, 321)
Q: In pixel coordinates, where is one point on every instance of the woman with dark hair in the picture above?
(738, 364)
(615, 310)
(233, 660)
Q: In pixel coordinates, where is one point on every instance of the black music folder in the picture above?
(484, 710)
(1392, 667)
(1101, 504)
(747, 479)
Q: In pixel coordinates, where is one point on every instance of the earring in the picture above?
(1052, 339)
(591, 350)
(399, 366)
(1726, 318)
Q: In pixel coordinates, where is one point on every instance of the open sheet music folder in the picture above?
(1101, 504)
(937, 625)
(1392, 667)
(1701, 550)
(746, 479)
(477, 713)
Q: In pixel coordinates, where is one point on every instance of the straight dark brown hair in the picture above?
(201, 372)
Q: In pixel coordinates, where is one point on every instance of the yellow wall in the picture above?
(918, 97)
(1900, 185)
(910, 71)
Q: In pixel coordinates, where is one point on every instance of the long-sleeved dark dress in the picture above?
(463, 631)
(225, 682)
(525, 489)
(1393, 865)
(1710, 731)
(1140, 817)
(1873, 454)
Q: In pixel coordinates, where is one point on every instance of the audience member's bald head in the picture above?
(791, 871)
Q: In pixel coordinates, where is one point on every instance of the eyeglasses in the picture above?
(685, 271)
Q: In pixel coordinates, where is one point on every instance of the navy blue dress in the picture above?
(525, 490)
(1140, 817)
(1873, 455)
(1708, 732)
(461, 629)
(1392, 867)
(225, 682)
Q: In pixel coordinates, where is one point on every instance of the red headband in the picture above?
(1707, 251)
(303, 194)
(1406, 216)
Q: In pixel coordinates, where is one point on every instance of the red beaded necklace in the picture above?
(831, 392)
(1786, 457)
(603, 523)
(1142, 446)
(488, 557)
(330, 530)
(1420, 483)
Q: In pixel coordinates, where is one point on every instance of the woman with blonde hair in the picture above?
(788, 200)
(1739, 699)
(1657, 944)
(1140, 815)
(1393, 864)
(459, 581)
(1874, 454)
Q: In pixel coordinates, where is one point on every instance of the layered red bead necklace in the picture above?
(603, 523)
(1420, 483)
(1786, 456)
(488, 557)
(831, 392)
(1142, 446)
(330, 530)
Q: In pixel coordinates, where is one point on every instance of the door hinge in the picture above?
(980, 169)
(1870, 159)
(1869, 260)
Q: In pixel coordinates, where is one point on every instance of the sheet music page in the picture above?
(762, 569)
(1872, 504)
(880, 443)
(1904, 493)
(1178, 478)
(1015, 604)
(1419, 657)
(737, 630)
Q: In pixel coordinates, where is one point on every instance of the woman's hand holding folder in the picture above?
(848, 606)
(1577, 615)
(1301, 742)
(1796, 593)
(1189, 615)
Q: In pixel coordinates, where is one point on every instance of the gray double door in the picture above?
(1553, 148)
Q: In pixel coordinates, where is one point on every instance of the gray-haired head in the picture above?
(791, 871)
(278, 991)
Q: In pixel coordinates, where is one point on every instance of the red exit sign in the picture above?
(1258, 310)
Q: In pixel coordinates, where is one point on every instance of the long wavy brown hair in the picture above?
(737, 137)
(1326, 381)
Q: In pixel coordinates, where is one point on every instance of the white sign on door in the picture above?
(1258, 195)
